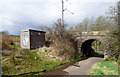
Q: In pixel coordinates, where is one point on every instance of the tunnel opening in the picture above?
(87, 49)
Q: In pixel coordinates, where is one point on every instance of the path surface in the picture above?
(82, 67)
(79, 68)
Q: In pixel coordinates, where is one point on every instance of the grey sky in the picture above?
(16, 15)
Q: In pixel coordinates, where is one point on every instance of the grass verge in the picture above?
(28, 63)
(105, 68)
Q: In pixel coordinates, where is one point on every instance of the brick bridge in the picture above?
(85, 40)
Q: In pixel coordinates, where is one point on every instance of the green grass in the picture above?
(15, 37)
(17, 46)
(96, 53)
(14, 47)
(105, 68)
(30, 62)
(76, 59)
(98, 72)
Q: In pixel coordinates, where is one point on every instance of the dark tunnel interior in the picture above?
(86, 48)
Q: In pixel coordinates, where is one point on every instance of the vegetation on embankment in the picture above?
(62, 41)
(21, 62)
(29, 62)
(105, 68)
(8, 41)
(17, 61)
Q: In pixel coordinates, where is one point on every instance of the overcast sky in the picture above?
(16, 15)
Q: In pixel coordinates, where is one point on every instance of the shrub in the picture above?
(6, 41)
(63, 41)
(113, 43)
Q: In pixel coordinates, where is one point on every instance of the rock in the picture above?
(6, 59)
(106, 57)
(17, 67)
(6, 52)
(35, 58)
(18, 56)
(41, 50)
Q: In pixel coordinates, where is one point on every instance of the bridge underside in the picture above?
(86, 48)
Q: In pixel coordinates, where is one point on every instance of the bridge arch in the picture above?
(85, 40)
(86, 46)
